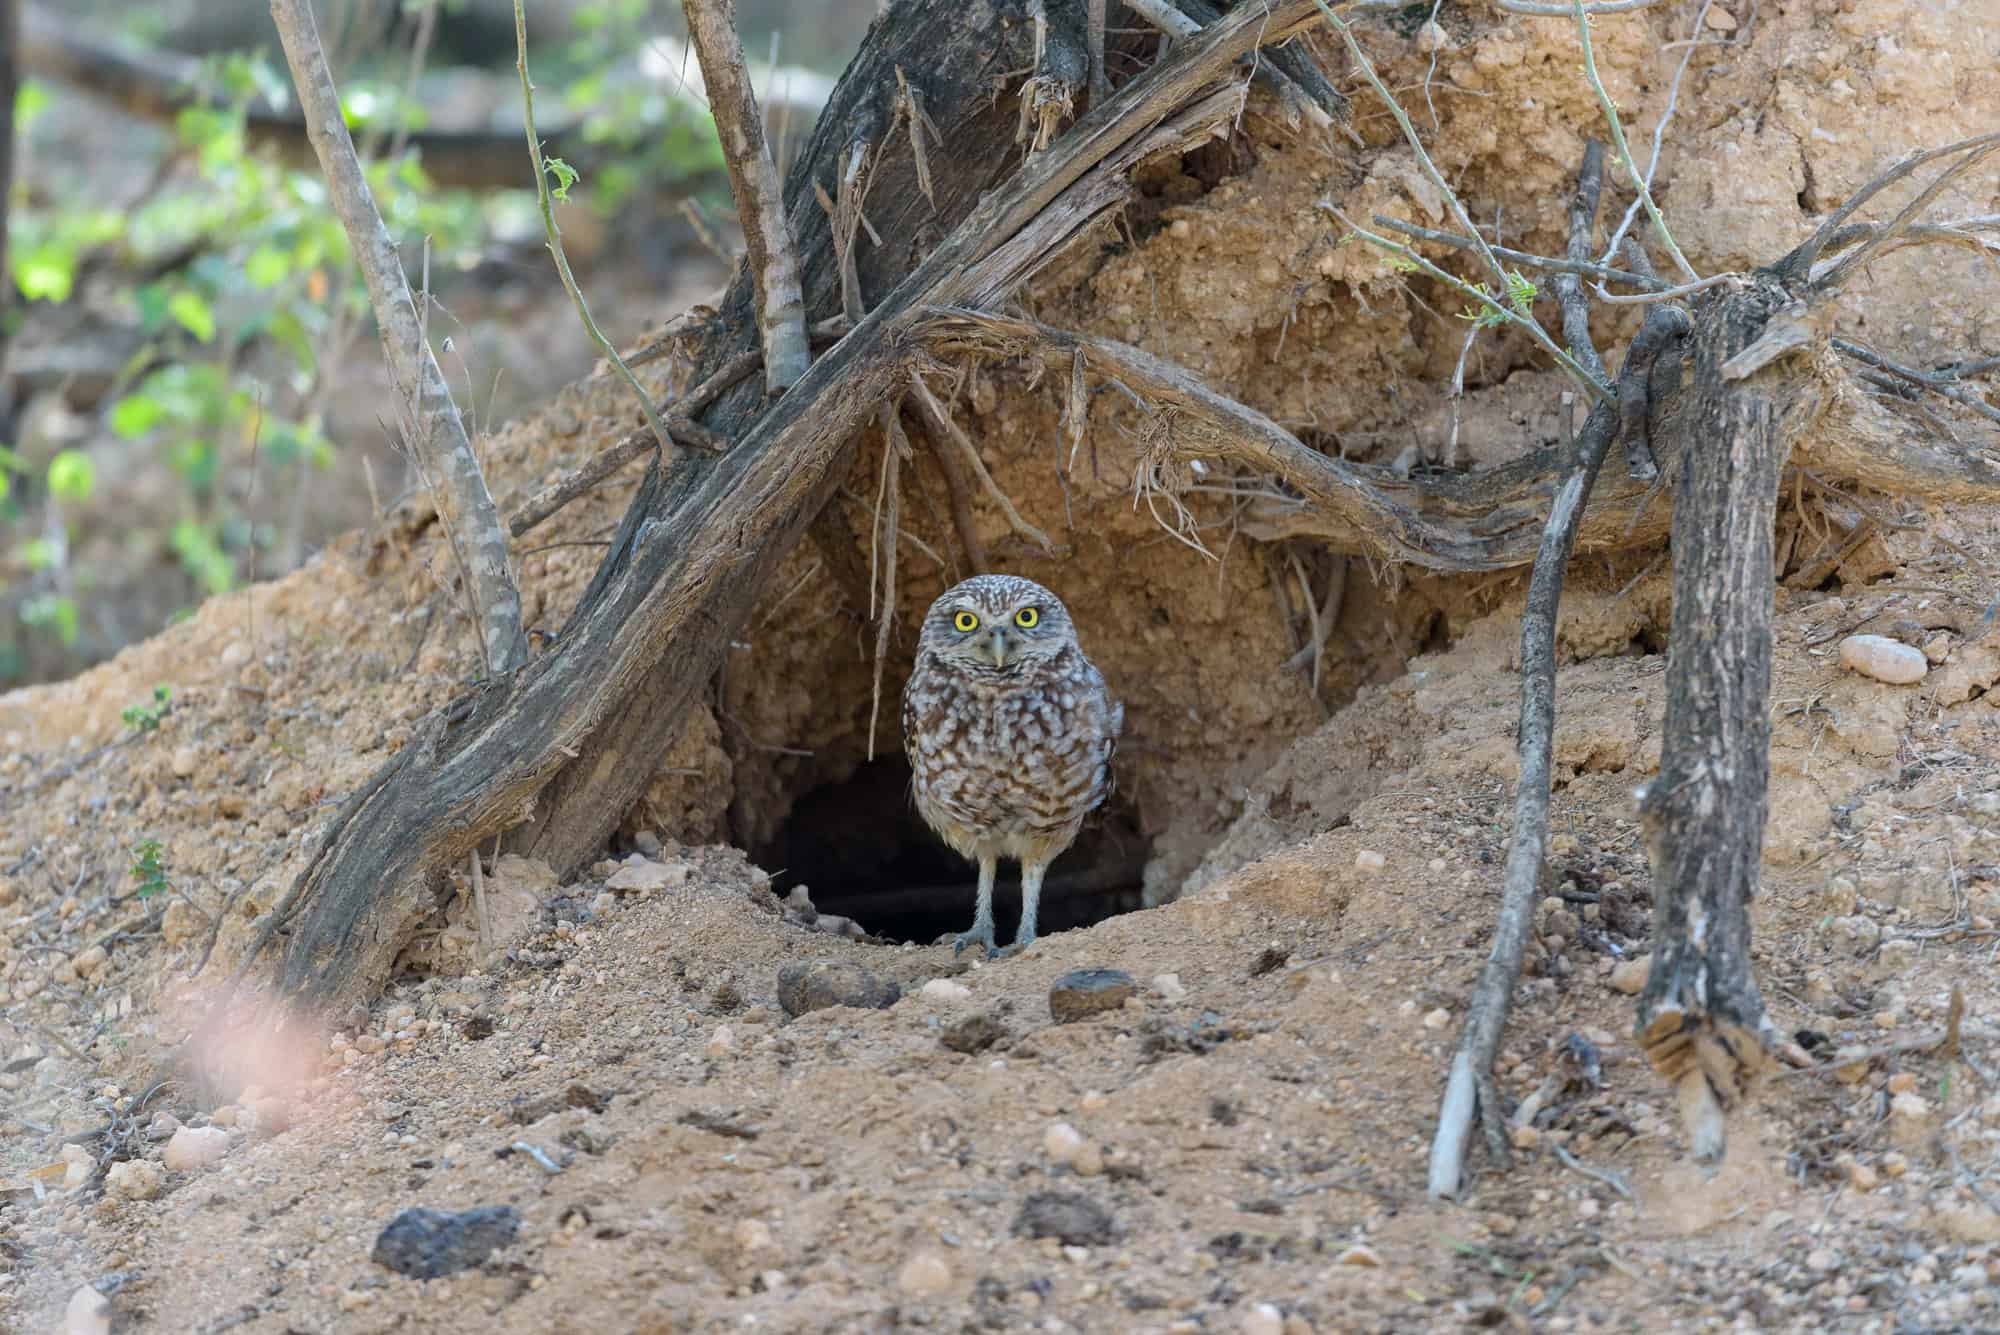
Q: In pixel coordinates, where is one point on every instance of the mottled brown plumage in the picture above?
(1009, 730)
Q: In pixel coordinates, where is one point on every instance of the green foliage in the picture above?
(146, 718)
(645, 130)
(72, 476)
(148, 868)
(232, 248)
(54, 612)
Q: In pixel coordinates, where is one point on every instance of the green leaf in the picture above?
(52, 610)
(151, 298)
(565, 177)
(45, 272)
(29, 103)
(267, 266)
(5, 486)
(136, 414)
(72, 476)
(191, 311)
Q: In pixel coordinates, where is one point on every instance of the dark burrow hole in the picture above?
(863, 852)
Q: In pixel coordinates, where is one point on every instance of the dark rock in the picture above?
(814, 987)
(425, 1244)
(1273, 958)
(1085, 992)
(974, 1033)
(1077, 1220)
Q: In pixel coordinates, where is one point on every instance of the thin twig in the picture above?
(443, 442)
(1620, 148)
(1599, 271)
(1660, 133)
(888, 515)
(1367, 68)
(1546, 11)
(553, 236)
(1803, 259)
(1470, 1091)
(939, 421)
(1943, 385)
(1497, 306)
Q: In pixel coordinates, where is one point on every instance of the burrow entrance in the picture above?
(864, 853)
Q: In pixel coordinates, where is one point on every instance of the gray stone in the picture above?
(1085, 992)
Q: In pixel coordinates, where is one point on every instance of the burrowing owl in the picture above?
(1009, 730)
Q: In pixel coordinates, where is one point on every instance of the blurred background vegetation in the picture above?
(192, 390)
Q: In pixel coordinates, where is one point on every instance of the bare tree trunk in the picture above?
(437, 433)
(1701, 1017)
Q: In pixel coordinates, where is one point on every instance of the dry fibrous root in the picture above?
(1712, 1064)
(1048, 96)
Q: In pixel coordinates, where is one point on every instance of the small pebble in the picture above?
(1061, 1143)
(194, 1148)
(88, 1313)
(722, 1042)
(1370, 861)
(1630, 975)
(425, 1244)
(1902, 1082)
(944, 989)
(803, 988)
(184, 761)
(1263, 1319)
(134, 1180)
(924, 1275)
(1085, 992)
(1884, 659)
(1360, 1254)
(1437, 1019)
(88, 962)
(1168, 986)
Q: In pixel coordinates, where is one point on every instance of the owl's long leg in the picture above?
(1031, 902)
(982, 919)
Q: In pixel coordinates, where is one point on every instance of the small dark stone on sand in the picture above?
(974, 1033)
(1274, 957)
(814, 987)
(1077, 1220)
(1085, 992)
(425, 1244)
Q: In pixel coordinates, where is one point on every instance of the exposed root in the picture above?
(888, 516)
(948, 435)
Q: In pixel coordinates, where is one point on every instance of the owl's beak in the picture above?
(996, 647)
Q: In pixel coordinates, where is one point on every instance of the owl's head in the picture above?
(996, 624)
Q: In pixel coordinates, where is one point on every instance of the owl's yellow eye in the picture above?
(966, 623)
(1028, 617)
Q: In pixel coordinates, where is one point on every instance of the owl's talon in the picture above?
(975, 937)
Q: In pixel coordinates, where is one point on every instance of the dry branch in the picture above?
(438, 437)
(753, 179)
(1488, 520)
(1470, 1091)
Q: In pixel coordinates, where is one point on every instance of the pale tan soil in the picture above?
(1235, 1176)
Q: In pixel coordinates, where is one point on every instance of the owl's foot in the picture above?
(1011, 951)
(980, 935)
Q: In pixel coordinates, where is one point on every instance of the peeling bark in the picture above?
(1701, 1017)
